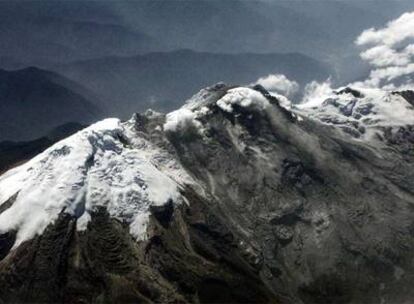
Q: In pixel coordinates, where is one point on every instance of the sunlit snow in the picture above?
(92, 168)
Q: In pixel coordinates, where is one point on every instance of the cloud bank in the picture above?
(279, 83)
(390, 50)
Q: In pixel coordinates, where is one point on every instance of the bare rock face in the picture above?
(408, 95)
(265, 205)
(194, 259)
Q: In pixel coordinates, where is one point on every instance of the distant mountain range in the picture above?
(44, 32)
(53, 41)
(33, 101)
(163, 80)
(127, 52)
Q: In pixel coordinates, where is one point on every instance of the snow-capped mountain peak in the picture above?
(237, 191)
(100, 166)
(364, 113)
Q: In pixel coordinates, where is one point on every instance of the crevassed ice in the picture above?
(385, 109)
(89, 169)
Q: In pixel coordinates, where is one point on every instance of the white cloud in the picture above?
(390, 50)
(315, 93)
(243, 97)
(395, 32)
(383, 55)
(279, 83)
(181, 120)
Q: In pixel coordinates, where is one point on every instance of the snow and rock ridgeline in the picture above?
(238, 178)
(368, 115)
(362, 113)
(108, 164)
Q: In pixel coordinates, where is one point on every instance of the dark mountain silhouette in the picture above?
(33, 101)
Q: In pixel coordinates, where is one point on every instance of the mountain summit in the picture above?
(238, 196)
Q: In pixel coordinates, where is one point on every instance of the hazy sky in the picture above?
(126, 53)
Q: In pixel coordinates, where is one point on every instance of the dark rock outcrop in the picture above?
(194, 259)
(353, 92)
(407, 95)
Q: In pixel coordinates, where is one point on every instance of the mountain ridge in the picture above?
(33, 101)
(234, 197)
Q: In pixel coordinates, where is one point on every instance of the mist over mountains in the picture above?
(132, 55)
(162, 80)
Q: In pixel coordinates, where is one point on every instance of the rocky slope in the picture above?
(232, 198)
